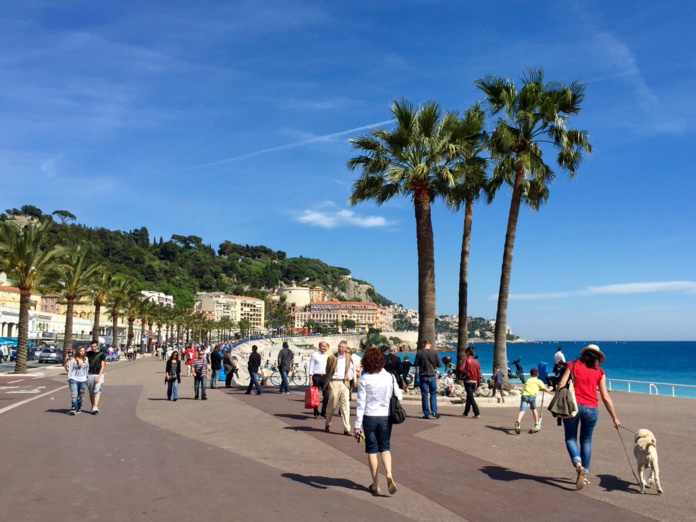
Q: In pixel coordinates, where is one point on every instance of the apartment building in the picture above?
(236, 307)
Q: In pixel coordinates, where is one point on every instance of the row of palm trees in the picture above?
(461, 159)
(69, 272)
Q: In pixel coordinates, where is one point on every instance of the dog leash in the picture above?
(626, 452)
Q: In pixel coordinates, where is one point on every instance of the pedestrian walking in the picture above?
(285, 363)
(471, 374)
(172, 376)
(317, 375)
(215, 366)
(253, 367)
(78, 368)
(587, 377)
(199, 367)
(375, 391)
(95, 375)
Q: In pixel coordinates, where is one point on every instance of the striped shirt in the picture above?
(200, 363)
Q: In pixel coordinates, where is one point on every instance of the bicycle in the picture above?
(296, 375)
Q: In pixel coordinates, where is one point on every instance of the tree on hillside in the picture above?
(529, 117)
(100, 288)
(470, 185)
(26, 259)
(415, 160)
(64, 216)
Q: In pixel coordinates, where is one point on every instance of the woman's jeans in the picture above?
(172, 388)
(428, 385)
(77, 392)
(586, 419)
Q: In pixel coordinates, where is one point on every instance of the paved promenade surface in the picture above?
(248, 457)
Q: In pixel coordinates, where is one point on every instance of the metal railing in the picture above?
(652, 388)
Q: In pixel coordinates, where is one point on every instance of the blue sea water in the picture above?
(648, 361)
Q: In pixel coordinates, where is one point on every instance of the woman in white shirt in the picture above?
(372, 415)
(77, 367)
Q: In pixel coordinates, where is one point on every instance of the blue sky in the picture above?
(231, 120)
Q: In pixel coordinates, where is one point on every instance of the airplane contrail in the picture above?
(316, 139)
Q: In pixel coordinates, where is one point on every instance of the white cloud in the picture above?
(688, 287)
(333, 218)
(644, 288)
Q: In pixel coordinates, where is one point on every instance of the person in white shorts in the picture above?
(95, 377)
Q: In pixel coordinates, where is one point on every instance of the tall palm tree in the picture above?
(415, 160)
(131, 310)
(472, 180)
(529, 117)
(100, 293)
(115, 303)
(75, 276)
(26, 259)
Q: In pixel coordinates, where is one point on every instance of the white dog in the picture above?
(645, 451)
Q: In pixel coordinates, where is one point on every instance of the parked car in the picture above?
(31, 354)
(51, 355)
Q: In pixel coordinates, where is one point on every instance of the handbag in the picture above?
(397, 415)
(311, 399)
(564, 404)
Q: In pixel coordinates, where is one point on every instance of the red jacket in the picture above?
(472, 369)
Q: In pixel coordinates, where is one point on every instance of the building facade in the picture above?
(236, 307)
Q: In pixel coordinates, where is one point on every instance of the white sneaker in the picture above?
(73, 412)
(95, 410)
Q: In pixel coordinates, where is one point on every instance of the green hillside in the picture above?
(183, 265)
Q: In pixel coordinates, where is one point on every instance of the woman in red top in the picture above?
(587, 378)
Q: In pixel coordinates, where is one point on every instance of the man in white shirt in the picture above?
(317, 375)
(558, 359)
(340, 371)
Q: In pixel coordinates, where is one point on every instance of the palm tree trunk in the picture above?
(129, 343)
(159, 335)
(500, 346)
(426, 267)
(23, 331)
(114, 332)
(463, 333)
(150, 324)
(97, 319)
(67, 336)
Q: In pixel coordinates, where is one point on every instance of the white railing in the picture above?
(653, 388)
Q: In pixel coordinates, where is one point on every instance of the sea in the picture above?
(660, 363)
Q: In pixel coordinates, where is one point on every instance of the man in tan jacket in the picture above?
(339, 372)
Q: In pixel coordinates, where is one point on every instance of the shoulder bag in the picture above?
(564, 404)
(397, 415)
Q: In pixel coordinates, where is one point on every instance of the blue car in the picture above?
(31, 354)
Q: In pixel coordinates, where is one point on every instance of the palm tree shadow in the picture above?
(508, 475)
(319, 482)
(507, 431)
(613, 483)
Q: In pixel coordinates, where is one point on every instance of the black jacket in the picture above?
(254, 362)
(215, 360)
(393, 365)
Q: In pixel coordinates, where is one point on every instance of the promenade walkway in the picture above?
(237, 456)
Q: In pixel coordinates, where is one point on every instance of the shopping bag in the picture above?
(311, 397)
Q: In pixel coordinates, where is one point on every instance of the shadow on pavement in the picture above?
(508, 431)
(293, 416)
(508, 475)
(157, 399)
(613, 483)
(324, 482)
(63, 411)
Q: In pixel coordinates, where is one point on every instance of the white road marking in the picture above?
(20, 403)
(12, 382)
(35, 390)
